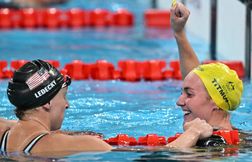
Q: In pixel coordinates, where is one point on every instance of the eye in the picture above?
(188, 93)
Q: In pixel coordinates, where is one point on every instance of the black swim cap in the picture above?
(35, 84)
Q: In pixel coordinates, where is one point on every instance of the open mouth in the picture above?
(186, 112)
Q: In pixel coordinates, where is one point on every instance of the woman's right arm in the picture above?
(187, 56)
(194, 130)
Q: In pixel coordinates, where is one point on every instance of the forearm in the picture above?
(187, 56)
(76, 133)
(186, 140)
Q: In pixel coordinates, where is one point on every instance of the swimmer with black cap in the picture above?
(38, 91)
(209, 91)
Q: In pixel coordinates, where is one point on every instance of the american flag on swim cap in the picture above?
(37, 78)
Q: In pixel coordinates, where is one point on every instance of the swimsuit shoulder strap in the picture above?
(29, 147)
(4, 139)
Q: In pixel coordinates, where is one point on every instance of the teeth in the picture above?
(186, 112)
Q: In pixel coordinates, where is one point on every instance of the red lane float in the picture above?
(3, 65)
(153, 70)
(29, 18)
(148, 140)
(122, 139)
(53, 18)
(152, 140)
(123, 17)
(234, 65)
(102, 70)
(77, 18)
(231, 137)
(175, 65)
(168, 74)
(40, 17)
(16, 64)
(237, 66)
(8, 73)
(5, 18)
(100, 18)
(157, 18)
(130, 70)
(16, 19)
(78, 70)
(172, 138)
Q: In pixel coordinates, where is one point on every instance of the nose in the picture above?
(181, 100)
(67, 105)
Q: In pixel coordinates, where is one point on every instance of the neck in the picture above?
(41, 123)
(221, 121)
(38, 117)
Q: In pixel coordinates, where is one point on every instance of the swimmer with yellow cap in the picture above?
(174, 2)
(222, 84)
(209, 91)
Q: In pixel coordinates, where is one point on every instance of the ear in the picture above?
(216, 108)
(47, 106)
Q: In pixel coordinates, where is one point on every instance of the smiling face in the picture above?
(195, 100)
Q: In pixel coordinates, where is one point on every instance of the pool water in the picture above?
(115, 107)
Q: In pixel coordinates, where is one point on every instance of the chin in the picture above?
(186, 120)
(189, 118)
(55, 128)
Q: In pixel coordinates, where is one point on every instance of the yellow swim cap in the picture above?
(222, 84)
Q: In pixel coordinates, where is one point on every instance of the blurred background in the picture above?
(224, 25)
